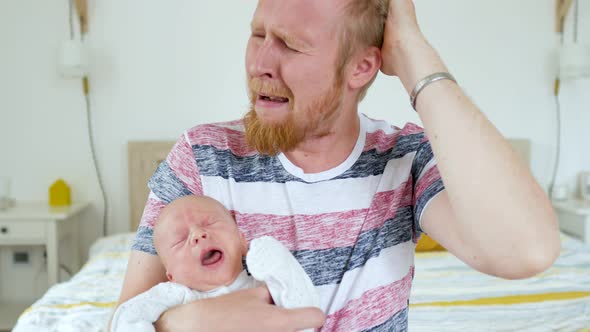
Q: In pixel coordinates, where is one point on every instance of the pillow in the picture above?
(426, 243)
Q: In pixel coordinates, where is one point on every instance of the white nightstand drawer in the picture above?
(574, 218)
(38, 224)
(17, 232)
(576, 226)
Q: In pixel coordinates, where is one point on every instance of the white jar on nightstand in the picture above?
(574, 218)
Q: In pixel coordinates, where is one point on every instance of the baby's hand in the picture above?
(270, 261)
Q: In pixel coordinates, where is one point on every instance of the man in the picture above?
(347, 194)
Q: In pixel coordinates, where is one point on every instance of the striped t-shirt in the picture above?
(353, 228)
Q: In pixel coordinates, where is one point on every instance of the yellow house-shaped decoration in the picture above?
(59, 194)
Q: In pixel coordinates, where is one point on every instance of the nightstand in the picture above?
(38, 224)
(574, 218)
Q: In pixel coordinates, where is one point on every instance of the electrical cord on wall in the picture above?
(71, 17)
(86, 90)
(94, 158)
(66, 269)
(558, 103)
(43, 268)
(558, 139)
(576, 19)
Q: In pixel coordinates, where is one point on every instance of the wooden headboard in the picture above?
(145, 156)
(143, 159)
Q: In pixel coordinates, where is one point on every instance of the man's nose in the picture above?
(266, 60)
(198, 234)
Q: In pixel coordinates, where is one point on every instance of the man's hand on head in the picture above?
(405, 52)
(245, 310)
(401, 28)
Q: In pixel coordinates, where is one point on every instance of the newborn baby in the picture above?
(201, 249)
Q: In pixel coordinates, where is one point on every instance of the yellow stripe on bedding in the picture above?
(513, 299)
(74, 305)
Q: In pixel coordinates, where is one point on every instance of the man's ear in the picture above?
(244, 244)
(169, 276)
(364, 66)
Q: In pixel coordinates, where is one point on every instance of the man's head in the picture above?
(307, 62)
(199, 243)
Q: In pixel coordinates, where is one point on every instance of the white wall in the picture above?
(160, 67)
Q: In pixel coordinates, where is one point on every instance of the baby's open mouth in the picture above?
(211, 256)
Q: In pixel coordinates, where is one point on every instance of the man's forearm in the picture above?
(244, 310)
(496, 200)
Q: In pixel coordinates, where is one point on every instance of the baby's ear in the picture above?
(169, 276)
(244, 244)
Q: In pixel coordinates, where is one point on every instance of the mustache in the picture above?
(264, 87)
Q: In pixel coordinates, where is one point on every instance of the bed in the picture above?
(446, 295)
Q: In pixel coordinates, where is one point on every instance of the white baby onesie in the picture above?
(267, 260)
(270, 261)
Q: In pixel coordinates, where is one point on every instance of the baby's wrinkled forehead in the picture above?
(194, 210)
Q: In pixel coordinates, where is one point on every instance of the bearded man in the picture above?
(349, 195)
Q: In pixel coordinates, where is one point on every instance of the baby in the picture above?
(201, 249)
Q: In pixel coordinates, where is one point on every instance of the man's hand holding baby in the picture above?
(257, 313)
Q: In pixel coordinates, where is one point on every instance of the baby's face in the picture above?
(199, 243)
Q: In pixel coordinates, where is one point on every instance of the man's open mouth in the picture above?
(275, 99)
(210, 257)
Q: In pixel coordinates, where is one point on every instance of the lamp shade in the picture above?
(574, 61)
(73, 59)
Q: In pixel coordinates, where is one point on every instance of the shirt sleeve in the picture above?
(427, 182)
(175, 177)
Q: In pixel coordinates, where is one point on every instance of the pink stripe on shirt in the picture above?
(373, 308)
(151, 212)
(182, 162)
(221, 138)
(324, 231)
(381, 141)
(411, 128)
(431, 176)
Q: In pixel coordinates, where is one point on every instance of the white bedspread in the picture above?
(446, 296)
(85, 302)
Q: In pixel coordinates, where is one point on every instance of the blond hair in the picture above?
(363, 27)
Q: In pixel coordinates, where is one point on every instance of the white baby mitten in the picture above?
(270, 261)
